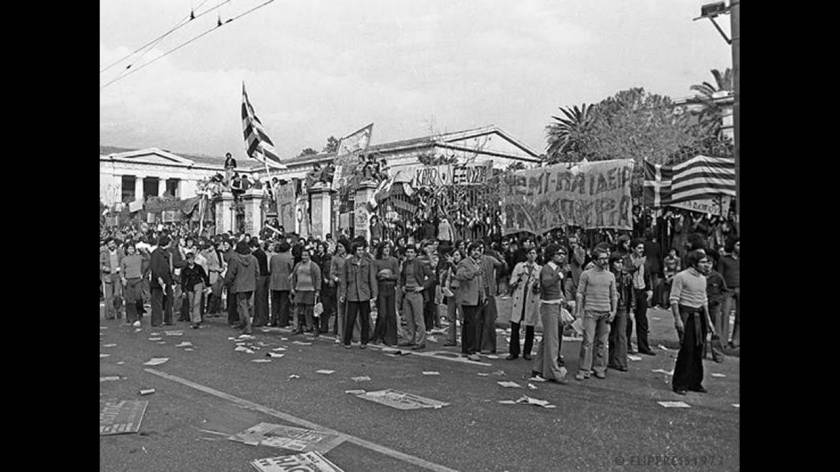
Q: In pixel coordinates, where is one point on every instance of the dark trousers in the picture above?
(715, 345)
(328, 302)
(213, 304)
(618, 341)
(233, 316)
(470, 329)
(261, 301)
(513, 349)
(429, 309)
(362, 309)
(280, 308)
(161, 306)
(640, 313)
(487, 320)
(386, 322)
(688, 372)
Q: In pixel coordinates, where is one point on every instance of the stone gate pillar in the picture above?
(361, 216)
(253, 211)
(321, 201)
(225, 218)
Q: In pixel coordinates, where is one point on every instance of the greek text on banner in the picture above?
(588, 195)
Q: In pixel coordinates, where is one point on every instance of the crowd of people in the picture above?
(412, 286)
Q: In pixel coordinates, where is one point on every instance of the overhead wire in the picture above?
(158, 39)
(218, 25)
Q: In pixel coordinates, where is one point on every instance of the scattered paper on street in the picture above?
(663, 371)
(189, 349)
(184, 344)
(156, 361)
(155, 339)
(432, 338)
(147, 391)
(499, 372)
(663, 347)
(261, 361)
(402, 400)
(634, 358)
(245, 336)
(294, 376)
(274, 355)
(361, 379)
(281, 348)
(103, 355)
(492, 356)
(120, 362)
(736, 405)
(507, 402)
(155, 334)
(161, 342)
(670, 404)
(537, 379)
(138, 330)
(718, 375)
(109, 345)
(287, 437)
(483, 374)
(526, 400)
(117, 417)
(301, 343)
(508, 384)
(532, 386)
(431, 372)
(109, 378)
(308, 461)
(174, 333)
(325, 371)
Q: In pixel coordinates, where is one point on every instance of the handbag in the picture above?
(317, 309)
(566, 317)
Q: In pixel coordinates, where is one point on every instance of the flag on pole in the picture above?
(257, 143)
(346, 156)
(697, 178)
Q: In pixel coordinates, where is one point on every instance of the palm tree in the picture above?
(710, 113)
(568, 134)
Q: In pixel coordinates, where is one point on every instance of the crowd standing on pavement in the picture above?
(561, 282)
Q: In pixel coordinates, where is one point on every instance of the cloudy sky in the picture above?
(315, 68)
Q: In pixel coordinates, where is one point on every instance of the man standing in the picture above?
(487, 316)
(280, 268)
(729, 267)
(161, 283)
(636, 264)
(109, 267)
(470, 296)
(358, 288)
(429, 306)
(193, 280)
(416, 279)
(689, 305)
(261, 288)
(597, 298)
(551, 287)
(337, 264)
(242, 279)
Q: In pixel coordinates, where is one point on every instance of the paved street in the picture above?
(213, 391)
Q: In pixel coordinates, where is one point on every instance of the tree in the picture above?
(308, 152)
(569, 136)
(332, 145)
(710, 113)
(514, 166)
(428, 159)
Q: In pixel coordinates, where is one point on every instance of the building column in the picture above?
(321, 201)
(253, 211)
(361, 216)
(225, 218)
(161, 186)
(138, 188)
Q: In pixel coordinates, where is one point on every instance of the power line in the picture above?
(186, 43)
(156, 40)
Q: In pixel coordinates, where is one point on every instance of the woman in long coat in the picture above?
(526, 303)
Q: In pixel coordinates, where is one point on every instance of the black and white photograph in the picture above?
(438, 235)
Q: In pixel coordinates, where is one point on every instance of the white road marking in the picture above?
(307, 424)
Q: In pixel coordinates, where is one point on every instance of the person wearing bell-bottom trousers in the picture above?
(618, 329)
(689, 305)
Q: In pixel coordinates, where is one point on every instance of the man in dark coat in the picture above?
(261, 289)
(241, 279)
(161, 283)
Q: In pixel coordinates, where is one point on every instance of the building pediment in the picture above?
(490, 139)
(150, 156)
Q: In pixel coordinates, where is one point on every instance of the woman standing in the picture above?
(387, 267)
(526, 301)
(328, 290)
(449, 286)
(131, 271)
(618, 331)
(306, 283)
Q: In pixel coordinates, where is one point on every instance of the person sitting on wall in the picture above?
(236, 186)
(230, 164)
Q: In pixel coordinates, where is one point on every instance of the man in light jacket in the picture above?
(471, 296)
(241, 277)
(416, 277)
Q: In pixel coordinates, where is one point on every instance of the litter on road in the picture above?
(308, 461)
(288, 437)
(156, 361)
(103, 355)
(245, 336)
(736, 405)
(109, 345)
(483, 374)
(537, 379)
(120, 362)
(635, 358)
(261, 361)
(294, 376)
(431, 372)
(155, 339)
(274, 354)
(663, 371)
(354, 392)
(147, 391)
(361, 379)
(281, 348)
(507, 384)
(720, 376)
(402, 400)
(174, 333)
(118, 417)
(301, 343)
(109, 378)
(325, 372)
(526, 400)
(184, 344)
(670, 404)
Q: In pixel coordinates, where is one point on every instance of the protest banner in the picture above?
(121, 417)
(710, 206)
(472, 174)
(423, 176)
(306, 462)
(285, 198)
(588, 195)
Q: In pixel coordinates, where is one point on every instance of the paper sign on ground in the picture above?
(402, 400)
(306, 462)
(675, 404)
(288, 437)
(121, 417)
(635, 358)
(431, 372)
(325, 372)
(156, 361)
(507, 384)
(718, 375)
(662, 371)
